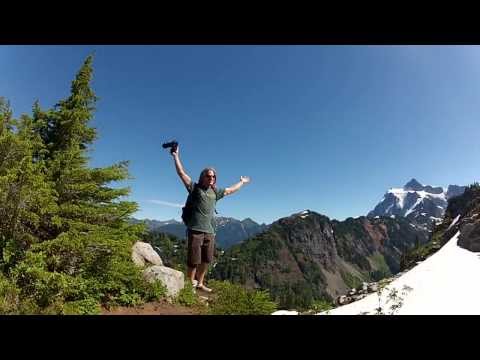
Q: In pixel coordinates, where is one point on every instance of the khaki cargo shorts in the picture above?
(201, 247)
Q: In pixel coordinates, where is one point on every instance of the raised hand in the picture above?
(175, 153)
(245, 179)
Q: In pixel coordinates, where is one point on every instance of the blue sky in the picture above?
(325, 128)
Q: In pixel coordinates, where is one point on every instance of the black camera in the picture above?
(172, 145)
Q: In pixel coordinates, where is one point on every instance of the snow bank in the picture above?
(446, 284)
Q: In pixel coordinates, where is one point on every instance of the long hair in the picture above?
(204, 173)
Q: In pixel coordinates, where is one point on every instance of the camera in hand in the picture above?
(172, 145)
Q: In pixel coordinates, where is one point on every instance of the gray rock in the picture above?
(359, 297)
(470, 237)
(143, 254)
(172, 279)
(342, 300)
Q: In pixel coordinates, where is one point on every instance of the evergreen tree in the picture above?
(84, 198)
(65, 238)
(25, 196)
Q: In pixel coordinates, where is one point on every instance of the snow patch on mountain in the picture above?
(446, 283)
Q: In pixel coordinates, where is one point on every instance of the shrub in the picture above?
(8, 296)
(321, 305)
(187, 296)
(112, 281)
(88, 306)
(233, 299)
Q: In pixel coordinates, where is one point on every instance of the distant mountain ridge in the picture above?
(230, 231)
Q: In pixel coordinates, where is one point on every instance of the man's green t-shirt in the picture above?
(203, 202)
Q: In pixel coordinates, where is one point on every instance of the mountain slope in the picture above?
(307, 256)
(443, 275)
(446, 284)
(462, 214)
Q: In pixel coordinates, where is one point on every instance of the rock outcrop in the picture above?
(143, 255)
(172, 279)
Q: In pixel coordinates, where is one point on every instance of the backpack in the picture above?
(187, 210)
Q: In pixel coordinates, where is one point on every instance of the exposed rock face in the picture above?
(462, 215)
(308, 256)
(467, 208)
(470, 236)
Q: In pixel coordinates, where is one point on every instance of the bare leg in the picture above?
(191, 271)
(202, 270)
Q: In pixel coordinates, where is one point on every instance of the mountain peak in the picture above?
(413, 185)
(421, 204)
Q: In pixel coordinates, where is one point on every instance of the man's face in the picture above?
(209, 178)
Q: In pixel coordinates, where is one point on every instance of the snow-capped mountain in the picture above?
(443, 282)
(421, 204)
(440, 279)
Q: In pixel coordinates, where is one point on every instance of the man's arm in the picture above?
(237, 186)
(180, 171)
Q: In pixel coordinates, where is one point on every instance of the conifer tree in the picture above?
(24, 193)
(64, 234)
(84, 198)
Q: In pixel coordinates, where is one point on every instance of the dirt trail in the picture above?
(152, 308)
(159, 308)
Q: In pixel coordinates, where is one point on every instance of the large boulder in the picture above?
(144, 254)
(172, 279)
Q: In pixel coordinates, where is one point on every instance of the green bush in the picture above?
(187, 296)
(112, 280)
(321, 305)
(233, 299)
(11, 303)
(8, 297)
(88, 306)
(155, 291)
(351, 280)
